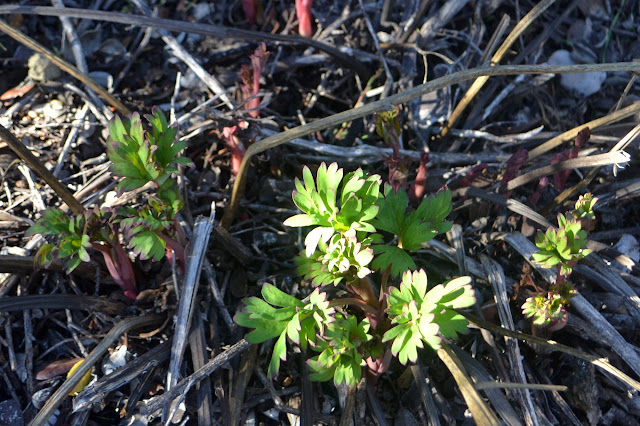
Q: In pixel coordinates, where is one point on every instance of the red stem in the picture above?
(177, 249)
(120, 269)
(303, 10)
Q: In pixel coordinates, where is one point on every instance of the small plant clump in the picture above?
(150, 230)
(561, 247)
(360, 232)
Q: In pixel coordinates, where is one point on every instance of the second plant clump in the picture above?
(562, 248)
(359, 230)
(151, 230)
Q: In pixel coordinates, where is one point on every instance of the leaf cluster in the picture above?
(563, 246)
(545, 308)
(333, 208)
(340, 350)
(281, 315)
(419, 316)
(346, 213)
(139, 156)
(388, 127)
(411, 229)
(73, 242)
(342, 258)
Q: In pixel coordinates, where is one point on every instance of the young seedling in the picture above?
(388, 127)
(150, 230)
(345, 249)
(562, 248)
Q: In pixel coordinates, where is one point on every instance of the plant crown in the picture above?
(358, 229)
(561, 247)
(140, 157)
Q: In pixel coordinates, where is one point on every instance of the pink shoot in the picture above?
(303, 10)
(119, 268)
(473, 174)
(250, 76)
(514, 164)
(235, 146)
(560, 178)
(417, 189)
(544, 182)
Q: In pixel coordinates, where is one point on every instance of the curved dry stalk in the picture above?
(397, 99)
(524, 23)
(591, 161)
(481, 412)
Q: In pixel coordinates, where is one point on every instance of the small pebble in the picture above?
(42, 69)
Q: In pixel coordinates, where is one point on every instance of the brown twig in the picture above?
(497, 57)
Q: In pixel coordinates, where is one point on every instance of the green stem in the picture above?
(352, 301)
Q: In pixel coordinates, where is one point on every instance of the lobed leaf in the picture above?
(399, 260)
(277, 297)
(279, 353)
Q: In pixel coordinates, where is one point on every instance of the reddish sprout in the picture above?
(249, 8)
(303, 10)
(250, 76)
(417, 189)
(514, 164)
(235, 146)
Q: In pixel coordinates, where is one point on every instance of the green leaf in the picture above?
(435, 208)
(328, 180)
(264, 330)
(422, 315)
(44, 256)
(299, 220)
(393, 256)
(430, 326)
(319, 234)
(148, 245)
(320, 372)
(277, 297)
(279, 353)
(391, 215)
(451, 324)
(415, 233)
(163, 137)
(406, 344)
(458, 293)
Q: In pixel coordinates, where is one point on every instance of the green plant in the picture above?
(151, 230)
(561, 247)
(358, 230)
